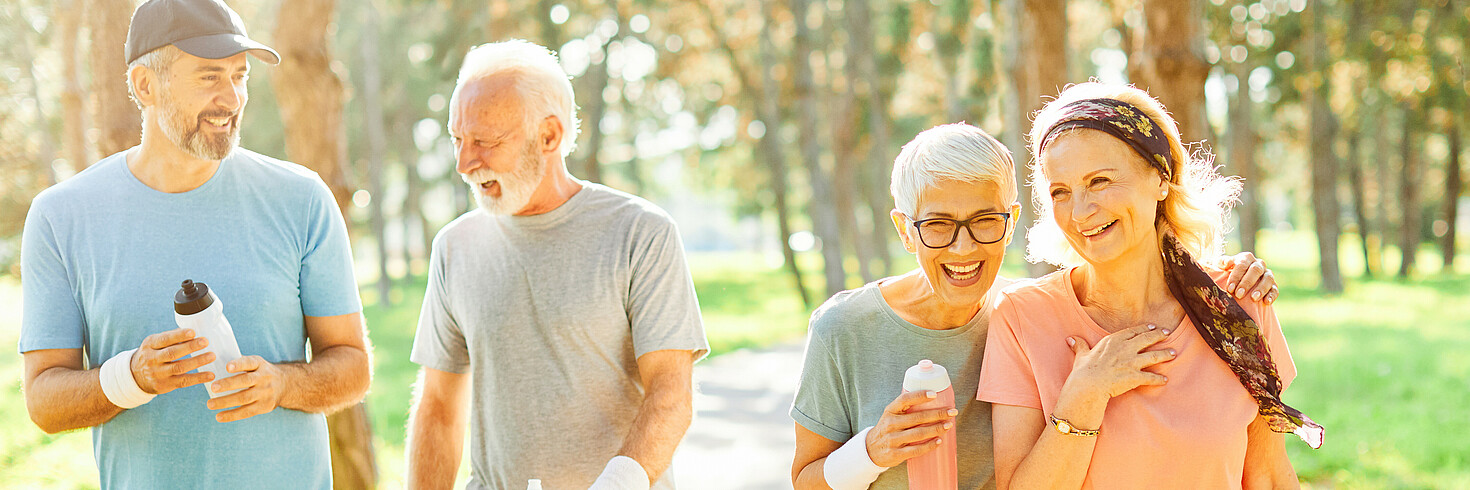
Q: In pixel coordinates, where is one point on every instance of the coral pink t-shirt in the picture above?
(1189, 433)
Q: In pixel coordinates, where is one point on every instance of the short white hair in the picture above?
(950, 152)
(544, 87)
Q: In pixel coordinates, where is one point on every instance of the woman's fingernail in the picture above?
(952, 412)
(1166, 331)
(1151, 327)
(1256, 295)
(1240, 293)
(930, 394)
(1172, 353)
(1071, 341)
(948, 425)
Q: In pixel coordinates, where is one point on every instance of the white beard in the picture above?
(516, 187)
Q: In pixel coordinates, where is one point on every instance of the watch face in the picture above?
(1064, 427)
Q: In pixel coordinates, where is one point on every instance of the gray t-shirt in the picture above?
(856, 353)
(548, 313)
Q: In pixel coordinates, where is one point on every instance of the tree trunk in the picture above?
(769, 109)
(1360, 198)
(1243, 158)
(821, 208)
(73, 111)
(118, 121)
(862, 59)
(595, 82)
(1454, 183)
(310, 99)
(842, 127)
(1040, 70)
(1324, 128)
(372, 108)
(1408, 197)
(415, 224)
(1383, 180)
(1170, 63)
(953, 22)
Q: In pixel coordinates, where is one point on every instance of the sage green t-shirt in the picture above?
(856, 353)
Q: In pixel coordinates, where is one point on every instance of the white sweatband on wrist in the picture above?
(118, 383)
(622, 473)
(850, 467)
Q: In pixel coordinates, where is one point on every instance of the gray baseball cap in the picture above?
(204, 28)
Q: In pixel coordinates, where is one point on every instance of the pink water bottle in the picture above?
(934, 470)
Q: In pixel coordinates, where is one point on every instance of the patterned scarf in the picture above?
(1223, 324)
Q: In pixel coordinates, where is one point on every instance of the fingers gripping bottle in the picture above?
(937, 469)
(197, 308)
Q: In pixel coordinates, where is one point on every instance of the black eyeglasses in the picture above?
(942, 232)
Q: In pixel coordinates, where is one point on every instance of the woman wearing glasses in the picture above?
(955, 196)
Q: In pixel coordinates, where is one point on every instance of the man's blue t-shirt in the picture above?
(102, 256)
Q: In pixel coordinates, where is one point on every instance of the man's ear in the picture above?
(903, 231)
(145, 85)
(549, 135)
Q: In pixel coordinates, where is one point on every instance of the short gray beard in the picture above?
(175, 126)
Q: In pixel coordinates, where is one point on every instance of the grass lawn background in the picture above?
(1385, 366)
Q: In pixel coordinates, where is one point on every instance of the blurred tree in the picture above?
(769, 150)
(1170, 65)
(1324, 158)
(73, 111)
(821, 208)
(310, 97)
(372, 108)
(1039, 70)
(117, 118)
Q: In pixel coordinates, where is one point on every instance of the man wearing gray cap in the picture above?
(104, 252)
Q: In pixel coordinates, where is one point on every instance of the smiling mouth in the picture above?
(1095, 231)
(219, 123)
(962, 273)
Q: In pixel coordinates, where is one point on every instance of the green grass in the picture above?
(1382, 366)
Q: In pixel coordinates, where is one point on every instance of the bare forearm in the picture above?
(336, 378)
(435, 447)
(62, 399)
(812, 477)
(662, 420)
(1061, 460)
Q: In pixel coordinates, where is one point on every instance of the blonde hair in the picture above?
(950, 152)
(544, 86)
(1199, 197)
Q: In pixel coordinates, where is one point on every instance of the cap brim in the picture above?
(217, 46)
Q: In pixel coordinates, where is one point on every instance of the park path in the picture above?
(742, 437)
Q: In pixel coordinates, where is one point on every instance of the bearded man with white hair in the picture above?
(559, 320)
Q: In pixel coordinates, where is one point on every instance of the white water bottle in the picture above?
(197, 308)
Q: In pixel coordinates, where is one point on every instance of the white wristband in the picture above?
(622, 473)
(118, 383)
(850, 467)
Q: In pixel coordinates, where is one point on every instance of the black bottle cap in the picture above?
(192, 297)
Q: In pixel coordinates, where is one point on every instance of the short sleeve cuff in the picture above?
(819, 428)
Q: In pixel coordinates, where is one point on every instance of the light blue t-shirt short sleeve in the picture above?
(103, 254)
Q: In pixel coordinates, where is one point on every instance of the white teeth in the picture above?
(1099, 229)
(218, 121)
(962, 273)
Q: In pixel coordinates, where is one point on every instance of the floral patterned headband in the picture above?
(1122, 120)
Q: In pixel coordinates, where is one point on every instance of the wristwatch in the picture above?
(1066, 428)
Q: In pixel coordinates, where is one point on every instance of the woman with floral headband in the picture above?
(954, 192)
(1131, 368)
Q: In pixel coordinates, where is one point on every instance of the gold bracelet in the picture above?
(1066, 428)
